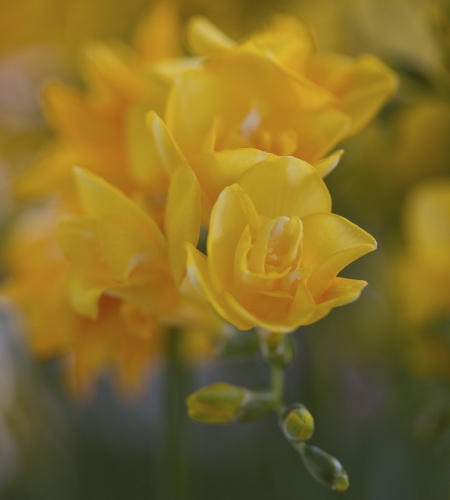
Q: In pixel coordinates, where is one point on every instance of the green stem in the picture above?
(175, 420)
(277, 383)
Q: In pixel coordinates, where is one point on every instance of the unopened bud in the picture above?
(297, 423)
(323, 467)
(216, 404)
(237, 343)
(276, 348)
(224, 403)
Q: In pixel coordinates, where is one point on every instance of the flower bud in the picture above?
(223, 403)
(237, 343)
(276, 348)
(323, 467)
(216, 404)
(296, 422)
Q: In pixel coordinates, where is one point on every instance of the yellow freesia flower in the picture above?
(274, 249)
(425, 276)
(122, 335)
(274, 92)
(125, 286)
(102, 129)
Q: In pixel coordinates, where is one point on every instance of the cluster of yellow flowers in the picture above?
(234, 139)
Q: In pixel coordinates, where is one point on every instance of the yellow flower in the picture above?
(124, 288)
(274, 92)
(426, 263)
(275, 249)
(122, 335)
(118, 250)
(424, 277)
(101, 129)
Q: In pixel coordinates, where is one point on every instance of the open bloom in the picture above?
(121, 285)
(274, 92)
(121, 335)
(275, 249)
(102, 129)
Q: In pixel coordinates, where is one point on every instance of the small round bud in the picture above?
(297, 423)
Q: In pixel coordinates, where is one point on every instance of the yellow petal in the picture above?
(109, 68)
(150, 286)
(126, 234)
(319, 130)
(363, 103)
(340, 292)
(232, 212)
(330, 243)
(204, 38)
(362, 85)
(285, 186)
(162, 149)
(267, 316)
(146, 165)
(327, 165)
(158, 33)
(199, 274)
(79, 241)
(192, 105)
(215, 171)
(183, 217)
(84, 297)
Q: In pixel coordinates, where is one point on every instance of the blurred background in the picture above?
(375, 374)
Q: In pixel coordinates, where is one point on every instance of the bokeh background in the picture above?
(374, 374)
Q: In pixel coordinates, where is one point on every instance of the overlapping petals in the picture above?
(275, 249)
(274, 92)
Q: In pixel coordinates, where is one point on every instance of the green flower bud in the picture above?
(276, 348)
(225, 403)
(216, 404)
(323, 467)
(237, 343)
(297, 423)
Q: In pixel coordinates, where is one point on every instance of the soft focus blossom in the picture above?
(274, 249)
(274, 92)
(424, 292)
(98, 129)
(124, 289)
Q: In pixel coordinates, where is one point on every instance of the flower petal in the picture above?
(146, 165)
(327, 165)
(126, 233)
(340, 292)
(215, 171)
(163, 150)
(285, 186)
(232, 212)
(204, 38)
(363, 85)
(183, 218)
(199, 274)
(330, 243)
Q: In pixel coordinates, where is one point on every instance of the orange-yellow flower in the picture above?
(101, 129)
(274, 92)
(275, 249)
(123, 336)
(124, 287)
